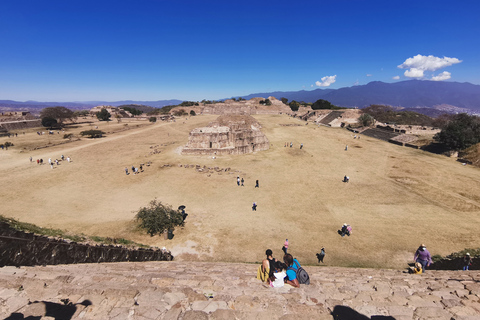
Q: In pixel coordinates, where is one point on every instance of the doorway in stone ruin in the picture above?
(211, 143)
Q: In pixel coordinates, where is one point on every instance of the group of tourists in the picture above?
(52, 162)
(135, 170)
(278, 273)
(423, 259)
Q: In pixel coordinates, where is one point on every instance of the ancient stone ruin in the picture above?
(229, 134)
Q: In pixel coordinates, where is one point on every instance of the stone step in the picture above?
(208, 290)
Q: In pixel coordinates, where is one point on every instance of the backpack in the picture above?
(302, 275)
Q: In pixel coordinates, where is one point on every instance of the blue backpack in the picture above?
(302, 275)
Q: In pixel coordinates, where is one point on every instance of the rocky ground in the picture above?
(204, 290)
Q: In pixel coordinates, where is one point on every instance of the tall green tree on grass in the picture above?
(366, 120)
(157, 218)
(103, 115)
(59, 113)
(461, 132)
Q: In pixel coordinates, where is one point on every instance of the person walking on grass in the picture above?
(285, 246)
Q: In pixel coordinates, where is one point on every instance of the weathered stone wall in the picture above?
(22, 124)
(18, 248)
(232, 134)
(251, 106)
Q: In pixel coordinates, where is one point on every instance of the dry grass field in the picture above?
(397, 197)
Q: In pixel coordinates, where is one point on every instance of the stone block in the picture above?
(163, 282)
(433, 313)
(222, 314)
(462, 292)
(195, 315)
(396, 311)
(464, 311)
(173, 297)
(146, 312)
(449, 303)
(173, 313)
(16, 302)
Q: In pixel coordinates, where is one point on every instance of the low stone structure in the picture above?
(114, 111)
(252, 106)
(229, 134)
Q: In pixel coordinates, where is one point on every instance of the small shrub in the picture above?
(68, 136)
(152, 119)
(93, 133)
(158, 218)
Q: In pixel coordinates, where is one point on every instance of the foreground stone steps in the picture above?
(200, 290)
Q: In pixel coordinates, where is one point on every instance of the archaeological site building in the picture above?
(229, 134)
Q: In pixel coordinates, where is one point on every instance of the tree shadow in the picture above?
(347, 313)
(54, 310)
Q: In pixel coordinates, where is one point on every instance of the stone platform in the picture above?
(200, 290)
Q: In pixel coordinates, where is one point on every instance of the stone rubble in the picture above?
(208, 290)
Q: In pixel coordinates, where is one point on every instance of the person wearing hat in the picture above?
(416, 269)
(467, 261)
(423, 257)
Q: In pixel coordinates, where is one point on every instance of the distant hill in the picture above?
(417, 94)
(36, 106)
(405, 94)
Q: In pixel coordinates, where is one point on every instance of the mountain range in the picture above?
(405, 94)
(429, 96)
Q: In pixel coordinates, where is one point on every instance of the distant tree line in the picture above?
(388, 114)
(460, 131)
(134, 111)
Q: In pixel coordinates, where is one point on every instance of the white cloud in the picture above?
(418, 64)
(445, 75)
(326, 81)
(369, 75)
(396, 77)
(355, 83)
(414, 73)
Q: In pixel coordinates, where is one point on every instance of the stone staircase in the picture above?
(380, 134)
(207, 290)
(330, 117)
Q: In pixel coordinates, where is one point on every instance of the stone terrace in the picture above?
(202, 290)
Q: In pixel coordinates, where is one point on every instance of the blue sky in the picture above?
(192, 50)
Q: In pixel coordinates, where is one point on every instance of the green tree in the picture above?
(93, 133)
(81, 113)
(366, 120)
(284, 100)
(103, 115)
(157, 218)
(132, 110)
(323, 104)
(266, 102)
(179, 112)
(461, 132)
(294, 105)
(193, 113)
(59, 113)
(49, 122)
(152, 119)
